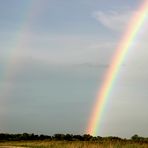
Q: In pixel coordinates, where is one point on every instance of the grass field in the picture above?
(73, 144)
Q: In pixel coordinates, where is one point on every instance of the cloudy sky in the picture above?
(53, 57)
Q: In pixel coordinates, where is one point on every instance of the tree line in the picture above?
(67, 137)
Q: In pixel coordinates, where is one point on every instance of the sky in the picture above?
(53, 57)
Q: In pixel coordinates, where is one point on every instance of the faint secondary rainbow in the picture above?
(13, 59)
(20, 37)
(133, 28)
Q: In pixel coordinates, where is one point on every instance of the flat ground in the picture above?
(74, 144)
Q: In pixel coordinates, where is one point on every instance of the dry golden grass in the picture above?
(67, 144)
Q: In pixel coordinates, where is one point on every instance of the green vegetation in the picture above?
(71, 141)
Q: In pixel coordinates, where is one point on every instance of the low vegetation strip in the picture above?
(69, 137)
(69, 141)
(70, 144)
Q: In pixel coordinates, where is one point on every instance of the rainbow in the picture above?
(13, 62)
(20, 38)
(124, 46)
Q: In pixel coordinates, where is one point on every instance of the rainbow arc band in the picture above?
(123, 48)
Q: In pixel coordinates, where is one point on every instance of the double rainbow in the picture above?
(124, 46)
